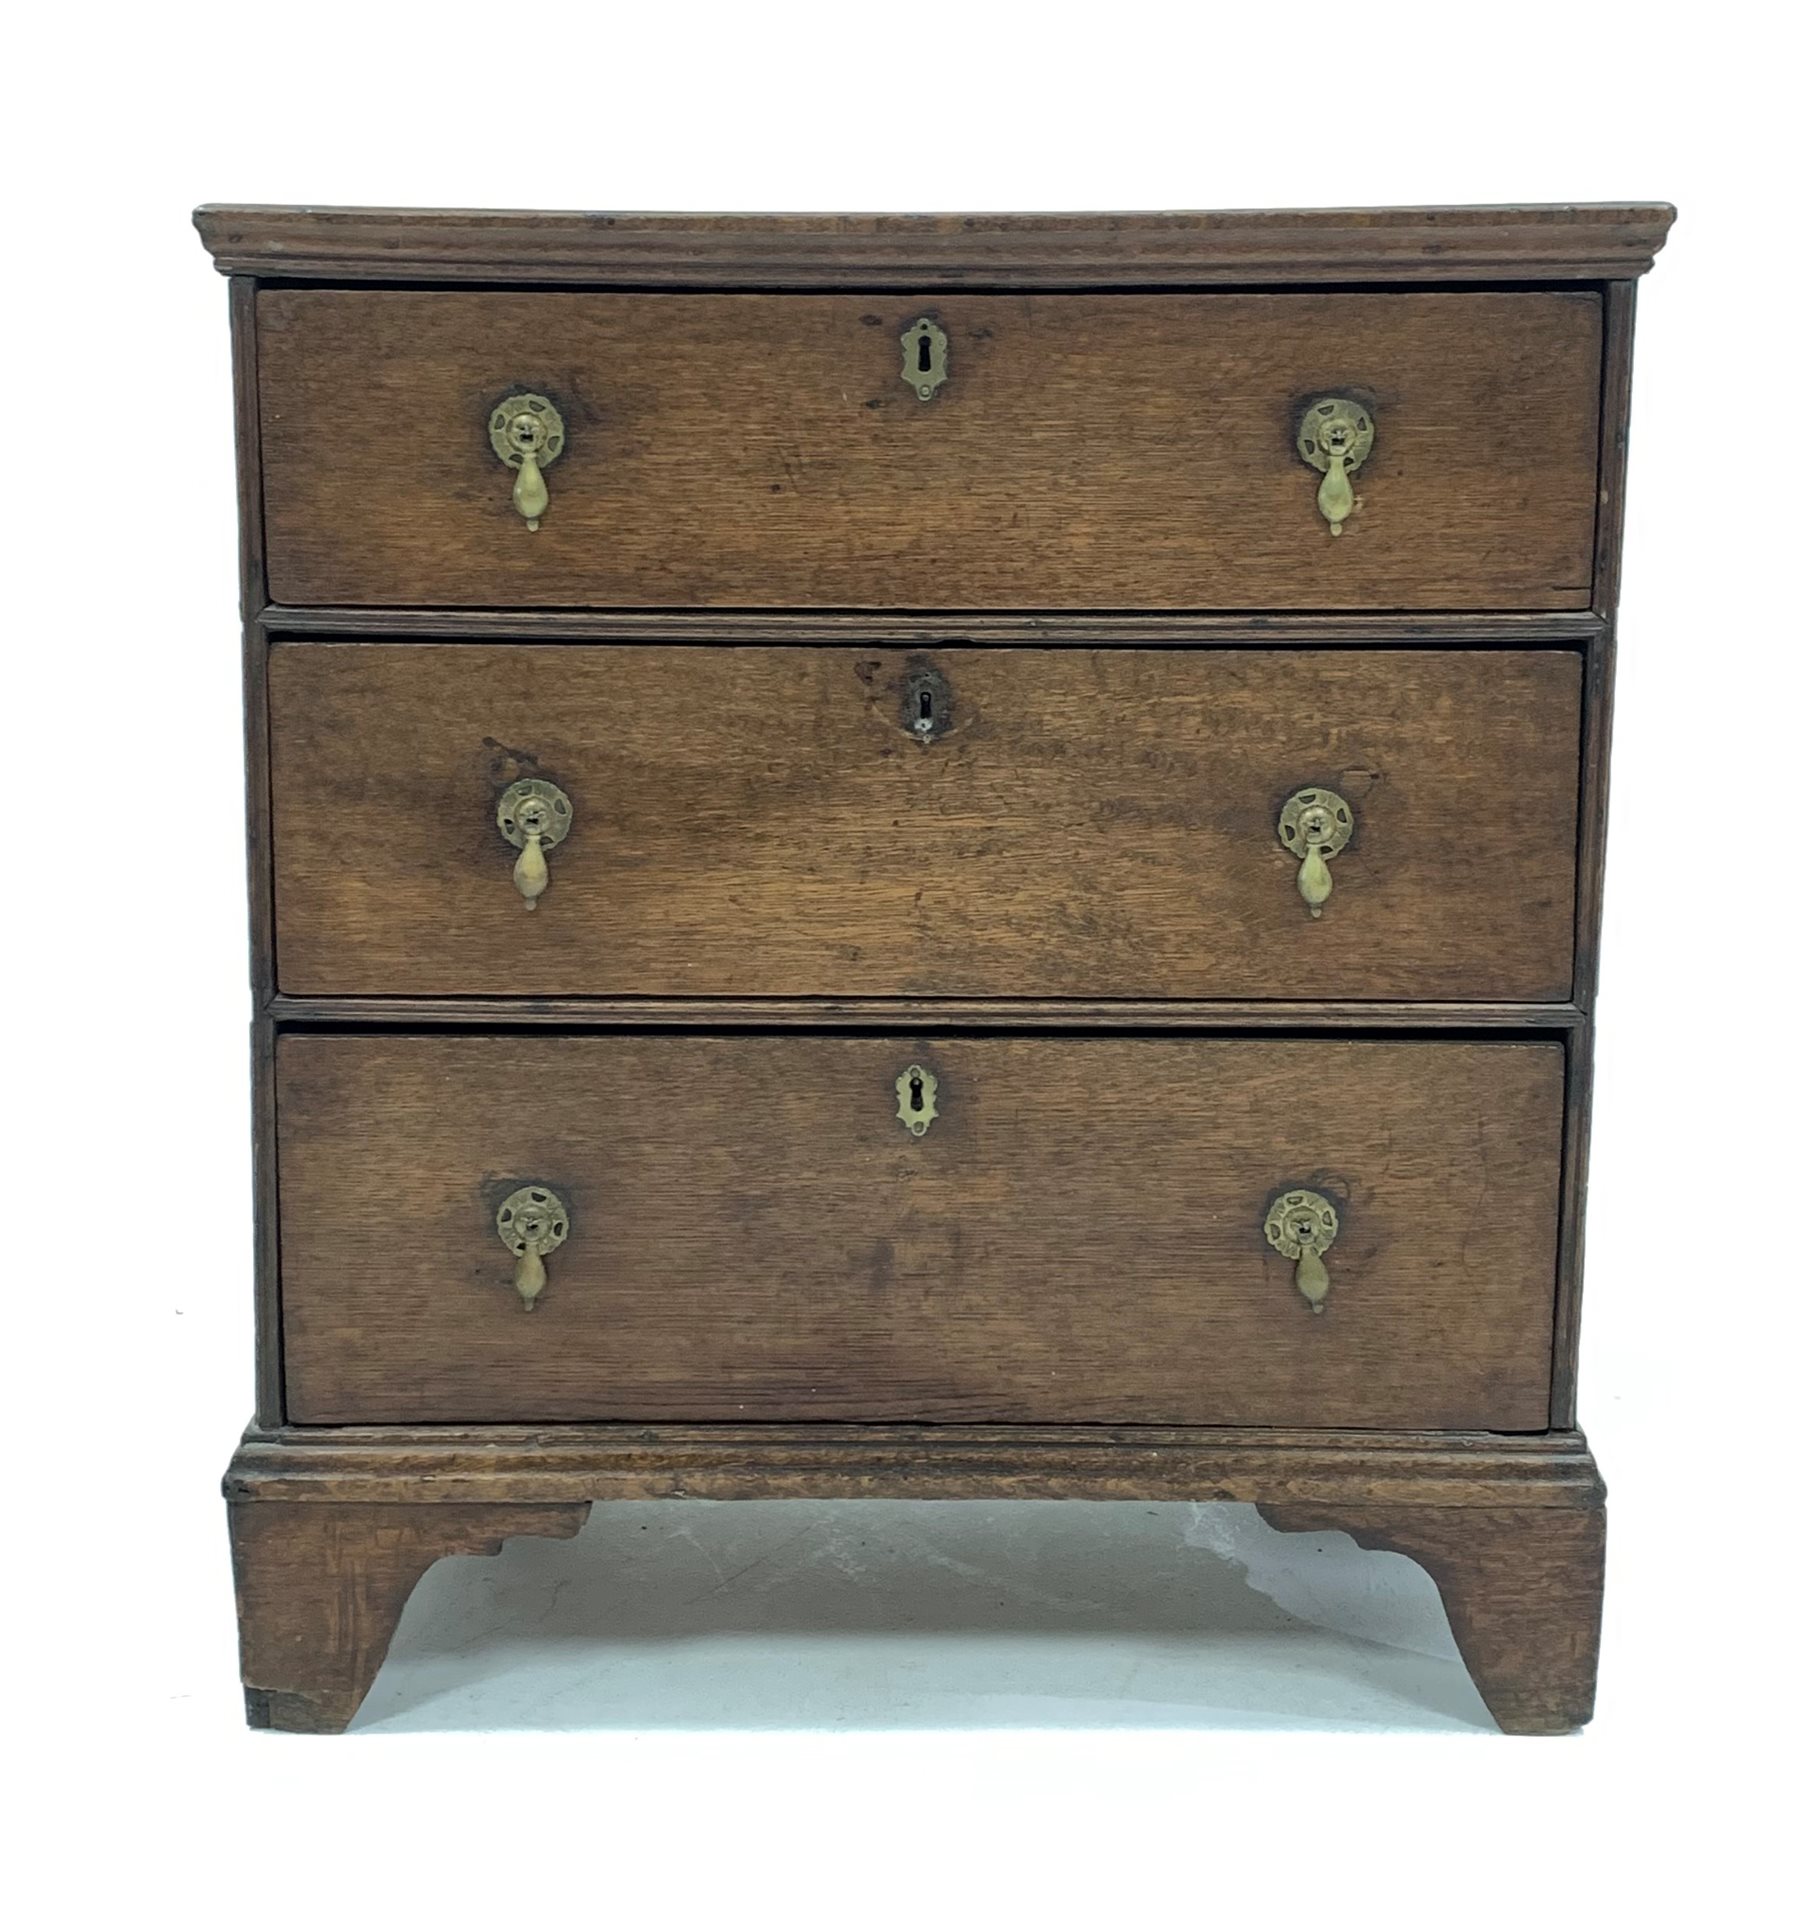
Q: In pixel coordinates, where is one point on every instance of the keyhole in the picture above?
(920, 713)
(917, 1089)
(924, 353)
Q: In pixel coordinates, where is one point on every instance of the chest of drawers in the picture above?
(924, 857)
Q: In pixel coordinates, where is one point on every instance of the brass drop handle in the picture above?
(532, 1222)
(534, 815)
(1315, 827)
(1300, 1227)
(527, 434)
(1336, 437)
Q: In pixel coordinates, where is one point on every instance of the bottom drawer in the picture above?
(755, 1230)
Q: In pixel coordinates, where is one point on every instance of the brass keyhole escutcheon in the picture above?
(1336, 437)
(532, 1222)
(526, 432)
(534, 815)
(1315, 827)
(1300, 1227)
(917, 1089)
(924, 357)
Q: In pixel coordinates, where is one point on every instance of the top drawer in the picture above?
(1083, 451)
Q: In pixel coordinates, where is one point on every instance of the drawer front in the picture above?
(1084, 451)
(754, 1230)
(771, 821)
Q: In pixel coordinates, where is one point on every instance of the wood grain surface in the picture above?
(1088, 451)
(1078, 1238)
(826, 1461)
(757, 821)
(796, 627)
(1596, 241)
(768, 1013)
(320, 1591)
(1522, 1591)
(1070, 907)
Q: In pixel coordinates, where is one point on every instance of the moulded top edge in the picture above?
(1596, 241)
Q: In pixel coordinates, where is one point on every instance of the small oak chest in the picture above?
(924, 856)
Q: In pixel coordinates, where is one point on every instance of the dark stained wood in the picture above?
(758, 821)
(1078, 1237)
(1412, 244)
(266, 1245)
(1509, 1524)
(320, 1590)
(1521, 1587)
(1596, 742)
(259, 865)
(943, 1015)
(805, 628)
(1087, 451)
(252, 600)
(1596, 779)
(1578, 1101)
(1615, 435)
(823, 1461)
(1590, 843)
(252, 596)
(330, 1535)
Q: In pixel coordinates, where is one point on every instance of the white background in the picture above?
(127, 1226)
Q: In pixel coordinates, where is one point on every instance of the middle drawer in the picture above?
(805, 821)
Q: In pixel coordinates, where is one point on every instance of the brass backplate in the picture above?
(537, 807)
(524, 424)
(1298, 1220)
(1335, 428)
(532, 1217)
(1316, 817)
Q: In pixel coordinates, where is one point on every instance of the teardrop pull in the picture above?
(1315, 880)
(526, 433)
(1311, 1278)
(1315, 827)
(532, 1222)
(1300, 1225)
(531, 872)
(1336, 437)
(534, 816)
(1337, 498)
(531, 496)
(529, 1276)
